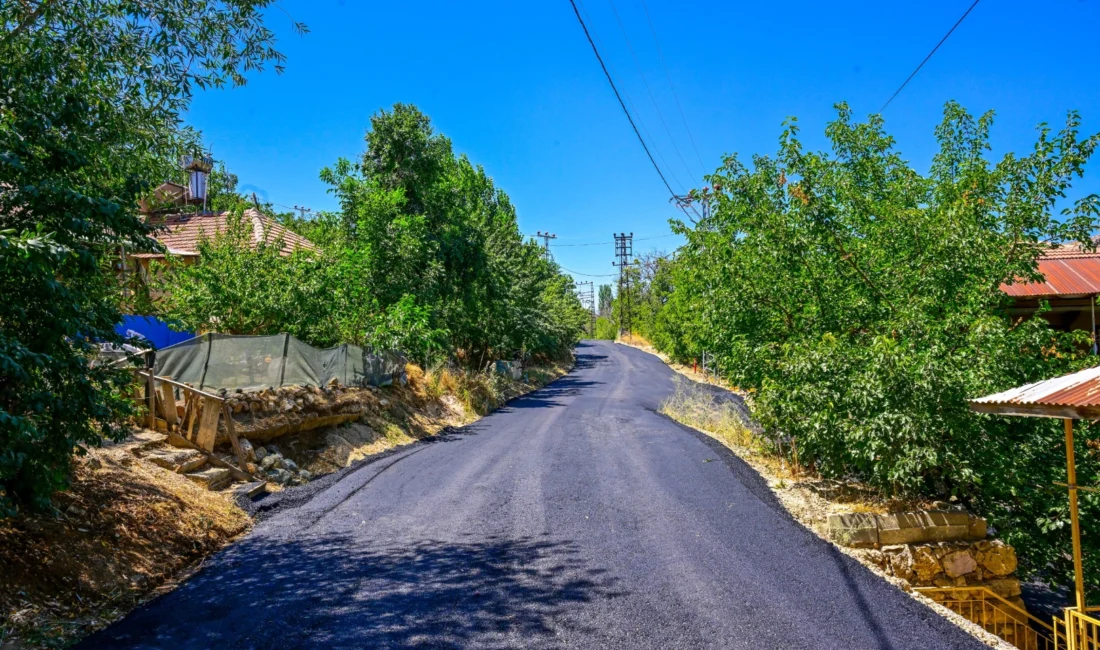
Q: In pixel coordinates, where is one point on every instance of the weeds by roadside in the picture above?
(697, 406)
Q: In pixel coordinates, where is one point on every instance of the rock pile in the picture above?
(272, 465)
(944, 547)
(267, 414)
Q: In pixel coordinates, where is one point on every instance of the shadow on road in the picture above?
(336, 592)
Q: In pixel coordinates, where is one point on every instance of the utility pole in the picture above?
(302, 210)
(588, 299)
(546, 237)
(624, 252)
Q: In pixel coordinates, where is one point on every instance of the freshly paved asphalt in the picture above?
(575, 517)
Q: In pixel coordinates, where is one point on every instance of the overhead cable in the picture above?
(619, 97)
(672, 87)
(959, 22)
(652, 98)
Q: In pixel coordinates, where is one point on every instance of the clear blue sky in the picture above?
(517, 88)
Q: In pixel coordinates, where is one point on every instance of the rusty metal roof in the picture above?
(1075, 396)
(1068, 271)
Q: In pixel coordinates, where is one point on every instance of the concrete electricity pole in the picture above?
(303, 211)
(624, 252)
(586, 292)
(546, 237)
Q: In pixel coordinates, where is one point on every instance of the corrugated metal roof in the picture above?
(1066, 274)
(1075, 395)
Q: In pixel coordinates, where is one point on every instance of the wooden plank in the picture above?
(208, 424)
(1038, 410)
(168, 403)
(150, 401)
(182, 385)
(186, 424)
(231, 430)
(179, 441)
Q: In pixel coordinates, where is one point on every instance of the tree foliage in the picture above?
(425, 232)
(425, 255)
(238, 286)
(860, 300)
(89, 114)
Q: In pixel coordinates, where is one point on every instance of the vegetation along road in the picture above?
(574, 517)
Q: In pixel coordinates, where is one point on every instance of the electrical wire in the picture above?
(929, 56)
(630, 101)
(672, 87)
(649, 90)
(619, 97)
(589, 275)
(607, 243)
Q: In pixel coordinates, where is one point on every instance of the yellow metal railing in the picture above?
(999, 617)
(1081, 629)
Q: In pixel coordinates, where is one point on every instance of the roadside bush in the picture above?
(861, 301)
(605, 329)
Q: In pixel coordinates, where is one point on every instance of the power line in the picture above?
(649, 90)
(619, 97)
(672, 86)
(929, 56)
(605, 243)
(630, 101)
(588, 275)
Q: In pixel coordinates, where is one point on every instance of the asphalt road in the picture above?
(575, 517)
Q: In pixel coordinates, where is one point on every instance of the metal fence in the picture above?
(257, 362)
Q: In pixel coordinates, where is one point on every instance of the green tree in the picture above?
(238, 286)
(90, 113)
(861, 301)
(428, 233)
(605, 301)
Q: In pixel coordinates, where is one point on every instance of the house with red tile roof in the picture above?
(179, 233)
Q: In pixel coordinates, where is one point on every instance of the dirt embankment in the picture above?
(128, 529)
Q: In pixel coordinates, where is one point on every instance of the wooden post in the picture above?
(231, 431)
(208, 424)
(168, 402)
(1075, 523)
(150, 392)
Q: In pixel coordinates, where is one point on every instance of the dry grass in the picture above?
(698, 407)
(125, 529)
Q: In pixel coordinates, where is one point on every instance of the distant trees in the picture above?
(605, 300)
(93, 94)
(860, 300)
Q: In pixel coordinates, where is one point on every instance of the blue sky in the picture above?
(517, 88)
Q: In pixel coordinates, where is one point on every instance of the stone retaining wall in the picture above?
(936, 548)
(273, 412)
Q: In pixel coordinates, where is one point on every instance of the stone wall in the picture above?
(273, 412)
(936, 548)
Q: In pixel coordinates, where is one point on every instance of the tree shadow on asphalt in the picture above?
(337, 591)
(567, 386)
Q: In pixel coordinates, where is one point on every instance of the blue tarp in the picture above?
(155, 331)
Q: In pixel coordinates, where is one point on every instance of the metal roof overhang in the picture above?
(1075, 396)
